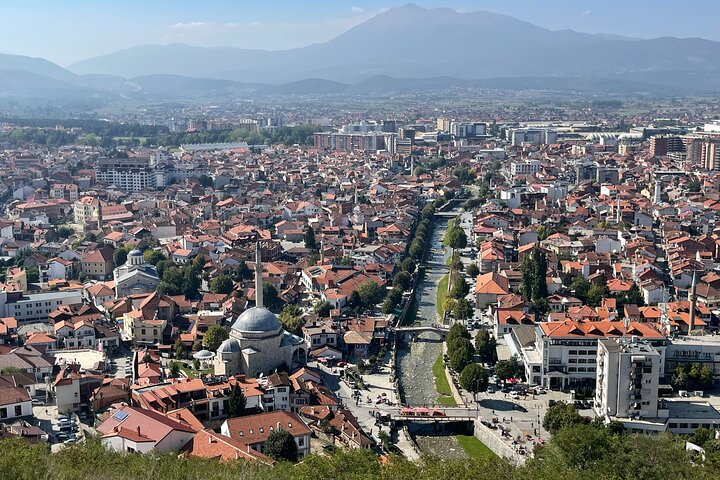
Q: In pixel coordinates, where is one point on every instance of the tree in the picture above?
(291, 318)
(457, 331)
(309, 237)
(580, 287)
(33, 274)
(462, 310)
(280, 445)
(460, 357)
(323, 308)
(179, 348)
(511, 368)
(65, 232)
(163, 266)
(408, 265)
(242, 271)
(214, 336)
(474, 378)
(402, 280)
(153, 257)
(120, 255)
(174, 369)
(417, 249)
(370, 293)
(596, 294)
(270, 295)
(680, 376)
(392, 300)
(485, 346)
(222, 284)
(560, 415)
(460, 288)
(455, 238)
(472, 270)
(236, 401)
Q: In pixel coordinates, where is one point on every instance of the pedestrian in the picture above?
(511, 419)
(532, 424)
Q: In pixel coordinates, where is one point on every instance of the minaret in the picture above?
(656, 195)
(258, 277)
(693, 302)
(322, 249)
(356, 195)
(617, 210)
(412, 165)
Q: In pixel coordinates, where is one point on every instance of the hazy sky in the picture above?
(66, 31)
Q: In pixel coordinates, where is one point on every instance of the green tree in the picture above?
(416, 251)
(472, 270)
(174, 369)
(310, 242)
(560, 415)
(222, 284)
(455, 238)
(595, 295)
(460, 357)
(462, 310)
(120, 255)
(460, 288)
(179, 348)
(474, 378)
(402, 280)
(270, 296)
(214, 336)
(510, 368)
(65, 232)
(370, 293)
(485, 346)
(291, 318)
(580, 287)
(457, 331)
(323, 309)
(33, 274)
(242, 272)
(280, 445)
(408, 265)
(392, 300)
(153, 257)
(236, 402)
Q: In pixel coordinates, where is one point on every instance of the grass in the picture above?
(474, 448)
(441, 294)
(192, 373)
(441, 383)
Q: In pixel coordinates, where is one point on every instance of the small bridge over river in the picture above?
(418, 329)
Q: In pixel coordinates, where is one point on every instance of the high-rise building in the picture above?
(661, 145)
(710, 154)
(126, 174)
(628, 377)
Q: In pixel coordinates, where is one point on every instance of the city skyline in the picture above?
(66, 35)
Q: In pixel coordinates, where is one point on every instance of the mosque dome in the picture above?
(257, 320)
(228, 346)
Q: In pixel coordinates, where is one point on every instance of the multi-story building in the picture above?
(710, 154)
(661, 145)
(527, 167)
(126, 174)
(628, 377)
(37, 306)
(367, 142)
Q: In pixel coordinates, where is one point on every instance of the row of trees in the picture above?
(473, 376)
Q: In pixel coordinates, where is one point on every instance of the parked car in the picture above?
(37, 401)
(491, 389)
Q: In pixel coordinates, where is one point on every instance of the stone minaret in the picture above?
(693, 303)
(258, 277)
(656, 196)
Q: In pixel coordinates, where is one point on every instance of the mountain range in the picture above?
(402, 49)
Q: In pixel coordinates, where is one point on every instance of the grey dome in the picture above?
(204, 354)
(257, 320)
(228, 346)
(135, 253)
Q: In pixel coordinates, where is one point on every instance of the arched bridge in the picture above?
(434, 265)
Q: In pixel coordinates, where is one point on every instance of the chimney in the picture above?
(693, 302)
(138, 430)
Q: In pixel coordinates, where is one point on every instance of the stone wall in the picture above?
(497, 445)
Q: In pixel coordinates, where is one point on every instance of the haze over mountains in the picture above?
(404, 48)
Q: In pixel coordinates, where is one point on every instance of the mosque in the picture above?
(258, 344)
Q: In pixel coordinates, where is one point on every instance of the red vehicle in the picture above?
(438, 413)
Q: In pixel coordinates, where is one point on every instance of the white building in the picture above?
(35, 307)
(628, 377)
(15, 402)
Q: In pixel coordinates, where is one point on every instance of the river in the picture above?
(415, 359)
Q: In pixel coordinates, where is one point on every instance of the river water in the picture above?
(415, 359)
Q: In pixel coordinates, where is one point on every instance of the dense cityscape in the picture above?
(428, 278)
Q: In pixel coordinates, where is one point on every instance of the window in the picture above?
(573, 352)
(301, 442)
(672, 425)
(3, 412)
(18, 410)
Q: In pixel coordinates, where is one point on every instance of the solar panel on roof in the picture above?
(120, 415)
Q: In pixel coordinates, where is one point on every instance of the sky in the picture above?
(66, 31)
